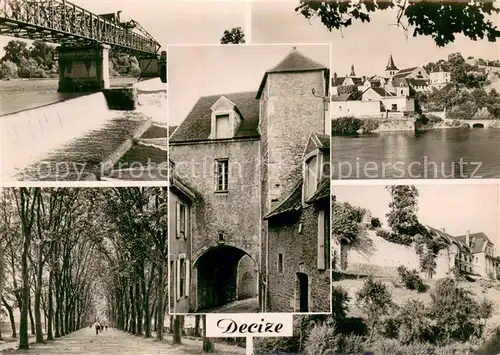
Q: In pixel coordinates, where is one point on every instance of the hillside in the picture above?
(481, 289)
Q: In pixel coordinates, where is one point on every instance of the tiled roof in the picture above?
(478, 240)
(404, 72)
(197, 125)
(322, 192)
(417, 82)
(295, 61)
(343, 97)
(155, 131)
(171, 130)
(381, 91)
(292, 202)
(338, 80)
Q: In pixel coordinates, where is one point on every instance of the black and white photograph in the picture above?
(84, 84)
(416, 266)
(415, 91)
(249, 205)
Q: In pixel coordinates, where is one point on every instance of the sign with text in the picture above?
(220, 325)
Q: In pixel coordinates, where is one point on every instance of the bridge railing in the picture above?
(60, 21)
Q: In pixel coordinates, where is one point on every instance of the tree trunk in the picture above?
(11, 317)
(177, 330)
(197, 326)
(138, 306)
(32, 319)
(208, 345)
(38, 299)
(23, 324)
(160, 313)
(50, 317)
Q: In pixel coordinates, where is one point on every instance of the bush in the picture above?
(346, 126)
(455, 312)
(375, 223)
(322, 338)
(411, 279)
(394, 237)
(492, 346)
(369, 125)
(374, 299)
(340, 303)
(414, 324)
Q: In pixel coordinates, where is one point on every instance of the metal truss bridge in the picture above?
(64, 23)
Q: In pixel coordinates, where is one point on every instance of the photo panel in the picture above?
(249, 206)
(403, 106)
(88, 102)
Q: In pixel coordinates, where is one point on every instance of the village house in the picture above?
(483, 253)
(296, 283)
(181, 198)
(243, 154)
(342, 82)
(439, 78)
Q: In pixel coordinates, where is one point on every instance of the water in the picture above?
(437, 154)
(17, 95)
(69, 140)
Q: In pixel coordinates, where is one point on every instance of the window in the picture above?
(222, 126)
(402, 92)
(280, 263)
(394, 107)
(181, 220)
(311, 175)
(222, 175)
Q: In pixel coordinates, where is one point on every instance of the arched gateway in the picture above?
(224, 274)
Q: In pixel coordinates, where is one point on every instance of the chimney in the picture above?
(364, 78)
(467, 238)
(443, 230)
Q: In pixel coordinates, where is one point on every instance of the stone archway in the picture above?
(224, 274)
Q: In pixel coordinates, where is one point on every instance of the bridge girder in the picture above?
(61, 22)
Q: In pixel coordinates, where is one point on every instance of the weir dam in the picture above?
(83, 139)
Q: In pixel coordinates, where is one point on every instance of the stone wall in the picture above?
(298, 245)
(293, 113)
(235, 214)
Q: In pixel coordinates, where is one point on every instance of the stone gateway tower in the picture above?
(291, 109)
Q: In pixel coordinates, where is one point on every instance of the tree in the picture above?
(374, 299)
(233, 36)
(346, 221)
(424, 18)
(42, 53)
(8, 69)
(15, 50)
(402, 216)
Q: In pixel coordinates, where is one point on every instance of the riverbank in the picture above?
(348, 126)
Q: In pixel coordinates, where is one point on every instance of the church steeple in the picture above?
(391, 68)
(352, 71)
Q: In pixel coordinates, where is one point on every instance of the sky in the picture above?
(365, 45)
(455, 206)
(195, 71)
(172, 22)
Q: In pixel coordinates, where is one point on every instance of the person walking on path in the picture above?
(97, 328)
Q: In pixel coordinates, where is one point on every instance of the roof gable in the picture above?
(223, 103)
(296, 62)
(197, 124)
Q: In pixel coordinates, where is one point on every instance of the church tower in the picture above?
(353, 74)
(391, 69)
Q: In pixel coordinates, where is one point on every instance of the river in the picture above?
(22, 94)
(69, 139)
(436, 154)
